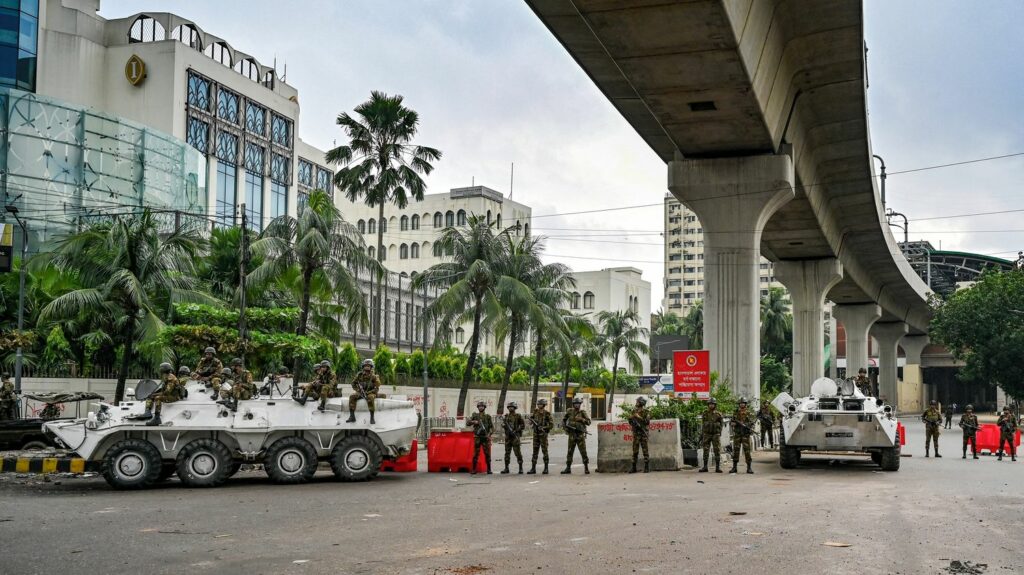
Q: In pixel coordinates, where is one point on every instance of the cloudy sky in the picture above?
(493, 87)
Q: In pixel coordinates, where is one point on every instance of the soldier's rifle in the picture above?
(574, 428)
(634, 424)
(538, 429)
(509, 431)
(479, 427)
(1007, 426)
(968, 426)
(740, 423)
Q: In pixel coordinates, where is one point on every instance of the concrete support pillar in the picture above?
(888, 336)
(912, 346)
(808, 281)
(734, 199)
(833, 347)
(856, 320)
(912, 390)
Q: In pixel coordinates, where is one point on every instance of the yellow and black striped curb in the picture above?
(42, 465)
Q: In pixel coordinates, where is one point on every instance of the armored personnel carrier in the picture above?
(836, 416)
(205, 442)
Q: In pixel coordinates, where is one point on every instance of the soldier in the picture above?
(169, 393)
(932, 419)
(482, 425)
(209, 371)
(863, 382)
(315, 389)
(51, 411)
(711, 435)
(766, 416)
(329, 384)
(575, 423)
(366, 385)
(949, 416)
(640, 421)
(542, 423)
(242, 387)
(8, 399)
(742, 430)
(514, 426)
(1007, 430)
(183, 374)
(969, 423)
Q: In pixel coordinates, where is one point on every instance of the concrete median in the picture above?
(615, 446)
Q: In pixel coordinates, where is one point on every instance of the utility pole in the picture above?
(882, 175)
(19, 359)
(243, 334)
(423, 344)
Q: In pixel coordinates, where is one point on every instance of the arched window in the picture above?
(248, 68)
(526, 229)
(460, 335)
(403, 252)
(449, 251)
(438, 220)
(636, 304)
(519, 226)
(383, 253)
(449, 218)
(146, 29)
(437, 250)
(498, 219)
(575, 300)
(488, 217)
(219, 52)
(629, 304)
(371, 252)
(462, 217)
(188, 35)
(383, 226)
(361, 224)
(588, 300)
(371, 226)
(404, 225)
(268, 79)
(414, 251)
(416, 221)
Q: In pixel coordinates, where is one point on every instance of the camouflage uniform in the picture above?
(172, 391)
(1008, 425)
(243, 388)
(579, 420)
(767, 418)
(741, 436)
(209, 371)
(969, 423)
(932, 419)
(543, 423)
(640, 421)
(50, 411)
(8, 399)
(328, 386)
(483, 425)
(863, 384)
(369, 383)
(514, 426)
(711, 437)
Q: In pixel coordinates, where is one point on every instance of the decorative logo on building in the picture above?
(135, 70)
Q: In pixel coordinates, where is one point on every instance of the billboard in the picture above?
(691, 373)
(6, 247)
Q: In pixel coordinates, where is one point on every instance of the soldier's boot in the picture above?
(926, 452)
(213, 396)
(351, 416)
(633, 470)
(545, 472)
(1000, 458)
(749, 470)
(533, 468)
(974, 452)
(733, 470)
(520, 468)
(321, 407)
(586, 468)
(505, 471)
(147, 415)
(489, 467)
(568, 469)
(937, 451)
(301, 400)
(472, 470)
(156, 419)
(372, 420)
(703, 469)
(647, 466)
(718, 467)
(965, 453)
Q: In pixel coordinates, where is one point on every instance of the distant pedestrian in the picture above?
(949, 416)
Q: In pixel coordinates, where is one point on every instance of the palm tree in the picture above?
(129, 272)
(313, 254)
(576, 347)
(693, 325)
(620, 331)
(380, 165)
(470, 279)
(776, 323)
(551, 324)
(667, 324)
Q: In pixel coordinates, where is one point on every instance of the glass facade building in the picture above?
(19, 43)
(61, 165)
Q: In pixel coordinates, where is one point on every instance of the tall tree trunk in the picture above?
(122, 372)
(307, 275)
(508, 367)
(474, 344)
(380, 295)
(537, 366)
(565, 379)
(615, 377)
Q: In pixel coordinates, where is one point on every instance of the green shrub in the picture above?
(348, 361)
(383, 364)
(416, 363)
(258, 319)
(519, 378)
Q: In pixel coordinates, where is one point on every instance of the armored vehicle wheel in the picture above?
(356, 458)
(35, 445)
(789, 457)
(204, 463)
(166, 471)
(876, 457)
(132, 464)
(235, 466)
(890, 459)
(290, 460)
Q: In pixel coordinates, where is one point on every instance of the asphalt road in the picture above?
(918, 520)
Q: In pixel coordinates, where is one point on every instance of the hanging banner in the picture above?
(691, 373)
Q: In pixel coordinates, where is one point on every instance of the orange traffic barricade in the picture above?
(452, 452)
(403, 464)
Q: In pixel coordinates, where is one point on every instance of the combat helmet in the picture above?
(641, 400)
(184, 370)
(513, 405)
(367, 362)
(209, 350)
(236, 361)
(577, 400)
(166, 367)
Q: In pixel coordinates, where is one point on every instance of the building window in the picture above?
(255, 119)
(383, 253)
(280, 131)
(437, 250)
(403, 252)
(187, 35)
(383, 226)
(438, 220)
(226, 188)
(460, 335)
(198, 92)
(301, 200)
(278, 199)
(305, 173)
(498, 220)
(280, 168)
(588, 300)
(219, 52)
(144, 29)
(227, 106)
(371, 252)
(361, 225)
(462, 217)
(414, 251)
(248, 68)
(404, 224)
(254, 200)
(227, 147)
(449, 219)
(371, 226)
(323, 180)
(575, 300)
(197, 134)
(268, 79)
(254, 159)
(415, 221)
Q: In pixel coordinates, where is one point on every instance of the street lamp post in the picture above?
(19, 358)
(882, 176)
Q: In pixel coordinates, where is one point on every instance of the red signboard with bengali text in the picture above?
(691, 373)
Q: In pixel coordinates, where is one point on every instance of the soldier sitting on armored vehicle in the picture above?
(322, 387)
(209, 371)
(242, 387)
(863, 382)
(366, 386)
(169, 392)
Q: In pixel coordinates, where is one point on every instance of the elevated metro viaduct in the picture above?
(759, 109)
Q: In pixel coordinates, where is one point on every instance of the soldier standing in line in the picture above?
(514, 426)
(932, 419)
(1008, 425)
(969, 423)
(575, 423)
(366, 385)
(711, 435)
(169, 393)
(949, 416)
(482, 425)
(209, 370)
(766, 416)
(8, 399)
(863, 382)
(543, 423)
(640, 421)
(742, 430)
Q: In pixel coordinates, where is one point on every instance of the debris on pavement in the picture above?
(965, 568)
(737, 513)
(836, 544)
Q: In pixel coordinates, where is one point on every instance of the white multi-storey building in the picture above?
(614, 289)
(684, 260)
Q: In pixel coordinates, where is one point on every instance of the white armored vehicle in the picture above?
(836, 416)
(205, 442)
